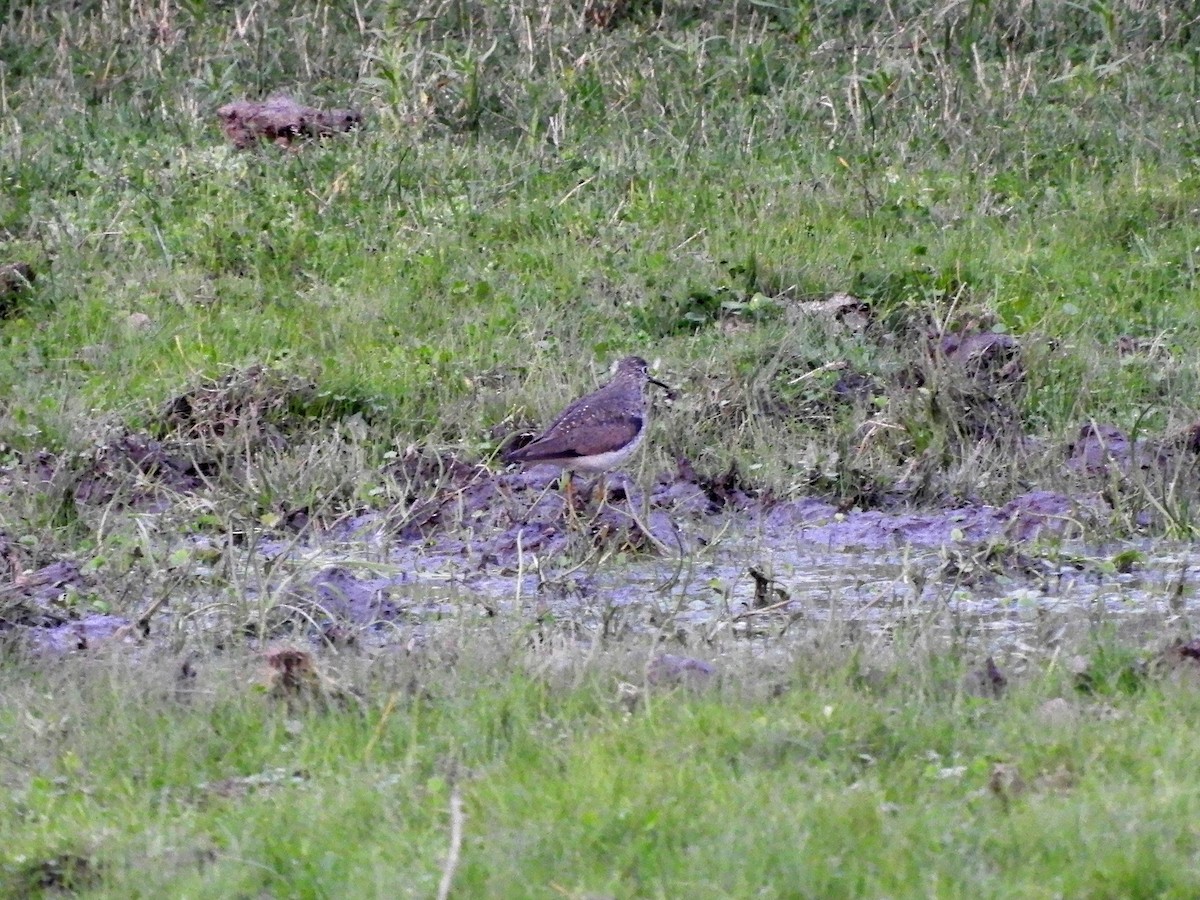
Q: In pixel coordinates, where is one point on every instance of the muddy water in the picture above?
(749, 581)
(692, 554)
(686, 555)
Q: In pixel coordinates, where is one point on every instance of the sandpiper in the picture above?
(599, 431)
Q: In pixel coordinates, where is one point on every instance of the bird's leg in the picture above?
(567, 482)
(602, 484)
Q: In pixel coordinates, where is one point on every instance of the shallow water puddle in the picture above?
(751, 565)
(991, 568)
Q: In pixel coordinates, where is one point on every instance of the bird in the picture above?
(601, 430)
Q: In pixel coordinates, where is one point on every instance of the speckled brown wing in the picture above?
(587, 427)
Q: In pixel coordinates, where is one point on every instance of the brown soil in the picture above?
(15, 281)
(283, 121)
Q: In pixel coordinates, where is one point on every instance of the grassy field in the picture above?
(532, 196)
(801, 772)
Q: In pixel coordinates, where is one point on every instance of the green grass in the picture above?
(517, 209)
(841, 781)
(530, 199)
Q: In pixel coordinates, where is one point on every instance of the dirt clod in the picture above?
(605, 14)
(1189, 649)
(15, 280)
(32, 598)
(767, 590)
(294, 677)
(282, 120)
(293, 672)
(686, 671)
(1005, 781)
(987, 681)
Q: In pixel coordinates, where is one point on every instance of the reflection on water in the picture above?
(986, 571)
(996, 574)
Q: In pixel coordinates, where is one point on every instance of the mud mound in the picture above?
(457, 507)
(255, 403)
(1099, 448)
(137, 471)
(978, 379)
(283, 121)
(217, 425)
(34, 598)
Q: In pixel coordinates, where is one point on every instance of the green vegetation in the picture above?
(532, 197)
(795, 774)
(799, 209)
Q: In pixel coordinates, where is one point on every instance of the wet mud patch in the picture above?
(338, 595)
(1025, 518)
(490, 516)
(486, 542)
(88, 632)
(472, 544)
(462, 536)
(462, 539)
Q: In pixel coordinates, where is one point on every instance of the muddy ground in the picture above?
(689, 547)
(693, 549)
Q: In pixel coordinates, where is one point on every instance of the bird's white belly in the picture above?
(602, 462)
